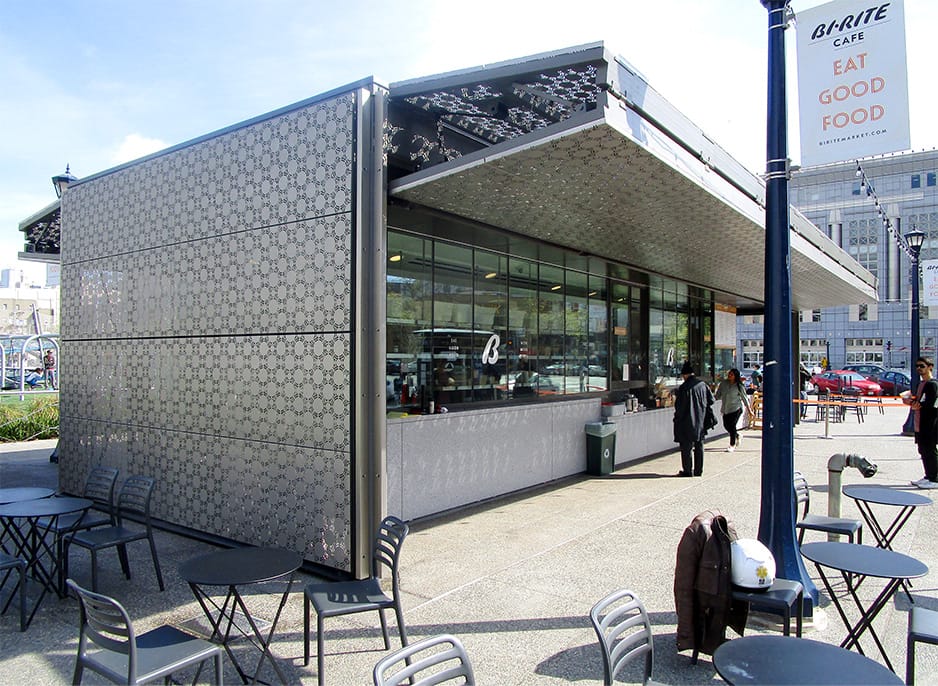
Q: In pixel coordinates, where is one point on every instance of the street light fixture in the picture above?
(915, 240)
(62, 181)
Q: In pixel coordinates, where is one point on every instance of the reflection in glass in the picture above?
(467, 325)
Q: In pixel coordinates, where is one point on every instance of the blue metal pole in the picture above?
(777, 513)
(909, 427)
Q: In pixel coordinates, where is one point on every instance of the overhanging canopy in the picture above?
(632, 180)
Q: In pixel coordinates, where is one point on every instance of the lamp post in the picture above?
(915, 239)
(827, 356)
(777, 515)
(62, 181)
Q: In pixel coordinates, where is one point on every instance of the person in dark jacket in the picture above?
(703, 593)
(692, 408)
(925, 415)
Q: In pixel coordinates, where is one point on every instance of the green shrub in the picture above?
(30, 419)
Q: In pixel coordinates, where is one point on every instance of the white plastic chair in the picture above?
(435, 660)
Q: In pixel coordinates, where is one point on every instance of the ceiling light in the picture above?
(556, 288)
(491, 275)
(396, 257)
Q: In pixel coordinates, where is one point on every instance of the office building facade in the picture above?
(848, 202)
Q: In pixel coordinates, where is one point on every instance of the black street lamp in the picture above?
(915, 239)
(827, 358)
(777, 516)
(62, 181)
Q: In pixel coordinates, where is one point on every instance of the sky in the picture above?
(96, 83)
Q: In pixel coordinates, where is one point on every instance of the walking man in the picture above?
(692, 410)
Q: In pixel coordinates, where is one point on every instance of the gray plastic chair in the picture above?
(923, 628)
(134, 498)
(8, 563)
(435, 660)
(109, 646)
(334, 599)
(624, 633)
(99, 487)
(851, 528)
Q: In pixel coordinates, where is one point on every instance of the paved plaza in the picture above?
(514, 579)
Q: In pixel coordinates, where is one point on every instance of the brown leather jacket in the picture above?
(703, 584)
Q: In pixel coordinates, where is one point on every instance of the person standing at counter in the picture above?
(925, 416)
(691, 411)
(733, 394)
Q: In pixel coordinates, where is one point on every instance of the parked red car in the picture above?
(839, 379)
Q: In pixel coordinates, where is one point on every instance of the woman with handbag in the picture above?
(924, 405)
(733, 394)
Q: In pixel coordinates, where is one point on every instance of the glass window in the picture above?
(491, 334)
(549, 354)
(930, 179)
(620, 311)
(522, 320)
(409, 306)
(466, 324)
(597, 367)
(916, 180)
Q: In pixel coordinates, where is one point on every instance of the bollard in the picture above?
(835, 468)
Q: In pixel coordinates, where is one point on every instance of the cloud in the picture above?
(134, 145)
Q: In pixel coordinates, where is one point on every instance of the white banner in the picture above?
(853, 90)
(929, 282)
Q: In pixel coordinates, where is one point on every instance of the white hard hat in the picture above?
(753, 565)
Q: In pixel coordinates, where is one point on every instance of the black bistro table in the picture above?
(32, 542)
(785, 660)
(18, 494)
(234, 568)
(866, 561)
(906, 501)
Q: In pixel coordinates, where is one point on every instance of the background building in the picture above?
(849, 205)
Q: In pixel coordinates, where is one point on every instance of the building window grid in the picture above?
(864, 350)
(815, 201)
(862, 242)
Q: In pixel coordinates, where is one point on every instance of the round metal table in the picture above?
(864, 561)
(21, 525)
(786, 660)
(905, 500)
(233, 568)
(19, 494)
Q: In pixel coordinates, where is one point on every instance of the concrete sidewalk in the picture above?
(515, 578)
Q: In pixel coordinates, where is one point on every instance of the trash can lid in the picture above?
(600, 428)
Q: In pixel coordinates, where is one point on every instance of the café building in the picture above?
(404, 299)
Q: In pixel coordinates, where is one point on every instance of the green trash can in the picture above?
(600, 448)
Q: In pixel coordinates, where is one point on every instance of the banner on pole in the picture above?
(853, 90)
(929, 282)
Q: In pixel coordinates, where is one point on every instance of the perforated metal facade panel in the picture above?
(207, 329)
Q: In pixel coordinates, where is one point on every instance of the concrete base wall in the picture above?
(438, 462)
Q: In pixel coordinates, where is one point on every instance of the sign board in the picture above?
(724, 326)
(929, 282)
(853, 90)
